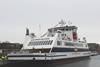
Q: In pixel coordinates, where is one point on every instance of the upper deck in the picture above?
(61, 35)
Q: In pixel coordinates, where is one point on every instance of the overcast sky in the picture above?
(16, 15)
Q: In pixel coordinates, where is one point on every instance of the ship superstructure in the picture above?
(58, 43)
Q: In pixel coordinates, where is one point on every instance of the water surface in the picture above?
(94, 61)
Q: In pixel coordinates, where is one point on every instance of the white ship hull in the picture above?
(53, 58)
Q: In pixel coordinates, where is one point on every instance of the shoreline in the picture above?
(2, 62)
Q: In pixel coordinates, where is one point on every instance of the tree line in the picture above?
(8, 47)
(94, 47)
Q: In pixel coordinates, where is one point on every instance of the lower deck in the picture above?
(47, 56)
(44, 62)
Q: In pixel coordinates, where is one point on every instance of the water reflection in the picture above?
(95, 61)
(83, 63)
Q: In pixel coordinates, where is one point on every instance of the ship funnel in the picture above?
(27, 31)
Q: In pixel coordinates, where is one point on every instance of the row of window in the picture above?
(41, 43)
(69, 44)
(79, 44)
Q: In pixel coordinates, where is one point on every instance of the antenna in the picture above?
(40, 29)
(69, 23)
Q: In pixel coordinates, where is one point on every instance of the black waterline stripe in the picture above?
(36, 56)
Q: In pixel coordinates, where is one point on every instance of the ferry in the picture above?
(59, 44)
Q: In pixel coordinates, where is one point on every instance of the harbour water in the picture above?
(94, 61)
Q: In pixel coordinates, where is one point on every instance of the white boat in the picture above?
(60, 43)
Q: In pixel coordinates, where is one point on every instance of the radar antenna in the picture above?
(62, 22)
